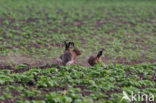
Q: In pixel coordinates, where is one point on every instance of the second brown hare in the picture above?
(93, 60)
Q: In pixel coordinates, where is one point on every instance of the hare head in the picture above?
(75, 50)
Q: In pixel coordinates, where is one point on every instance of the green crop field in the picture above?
(32, 33)
(76, 84)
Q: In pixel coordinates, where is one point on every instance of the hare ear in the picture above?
(72, 43)
(99, 53)
(66, 45)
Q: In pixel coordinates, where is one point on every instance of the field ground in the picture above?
(32, 35)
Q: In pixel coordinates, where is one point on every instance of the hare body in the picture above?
(66, 58)
(95, 59)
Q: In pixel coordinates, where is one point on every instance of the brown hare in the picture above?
(69, 56)
(96, 59)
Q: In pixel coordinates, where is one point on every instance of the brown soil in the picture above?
(43, 64)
